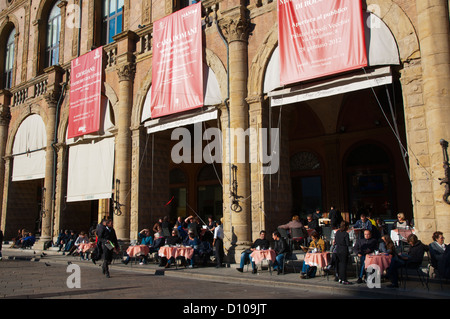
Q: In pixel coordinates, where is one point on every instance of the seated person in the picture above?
(317, 245)
(413, 258)
(281, 248)
(173, 240)
(313, 223)
(82, 239)
(294, 223)
(364, 246)
(70, 241)
(205, 251)
(194, 242)
(28, 241)
(145, 239)
(262, 243)
(387, 246)
(444, 264)
(401, 222)
(363, 223)
(157, 243)
(437, 248)
(63, 239)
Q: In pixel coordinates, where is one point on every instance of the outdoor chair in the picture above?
(289, 259)
(298, 236)
(415, 267)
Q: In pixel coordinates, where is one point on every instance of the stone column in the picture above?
(123, 151)
(235, 28)
(433, 30)
(5, 117)
(47, 212)
(51, 98)
(126, 68)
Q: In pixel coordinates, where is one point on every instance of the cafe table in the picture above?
(401, 234)
(381, 260)
(258, 256)
(182, 251)
(138, 250)
(167, 251)
(320, 260)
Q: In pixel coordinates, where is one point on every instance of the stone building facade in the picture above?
(375, 148)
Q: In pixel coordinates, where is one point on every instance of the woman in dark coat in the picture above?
(342, 244)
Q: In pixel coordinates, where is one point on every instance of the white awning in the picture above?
(381, 51)
(347, 83)
(178, 120)
(91, 160)
(29, 149)
(90, 173)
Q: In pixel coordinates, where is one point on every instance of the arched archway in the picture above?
(369, 171)
(26, 188)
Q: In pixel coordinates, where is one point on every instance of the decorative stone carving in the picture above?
(52, 98)
(235, 28)
(5, 115)
(126, 72)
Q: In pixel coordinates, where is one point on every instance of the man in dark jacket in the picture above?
(413, 259)
(280, 247)
(107, 239)
(260, 243)
(364, 246)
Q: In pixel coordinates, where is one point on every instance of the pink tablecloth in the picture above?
(383, 261)
(186, 252)
(175, 252)
(317, 259)
(259, 255)
(86, 247)
(138, 250)
(167, 252)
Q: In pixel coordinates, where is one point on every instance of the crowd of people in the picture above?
(371, 235)
(206, 239)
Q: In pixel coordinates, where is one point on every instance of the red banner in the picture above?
(85, 93)
(319, 38)
(177, 69)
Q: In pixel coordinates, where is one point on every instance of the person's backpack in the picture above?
(312, 272)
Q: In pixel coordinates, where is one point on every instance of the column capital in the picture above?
(236, 27)
(126, 72)
(5, 115)
(51, 98)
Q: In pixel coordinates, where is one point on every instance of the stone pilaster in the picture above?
(434, 32)
(5, 117)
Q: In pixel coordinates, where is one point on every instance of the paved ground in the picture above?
(27, 274)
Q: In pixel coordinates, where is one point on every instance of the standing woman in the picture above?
(342, 242)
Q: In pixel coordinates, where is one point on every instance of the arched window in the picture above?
(9, 60)
(112, 19)
(53, 31)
